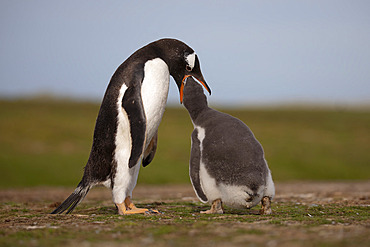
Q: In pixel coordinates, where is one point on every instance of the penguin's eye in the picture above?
(188, 68)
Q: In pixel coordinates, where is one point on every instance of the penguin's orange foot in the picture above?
(136, 211)
(124, 210)
(128, 207)
(216, 208)
(266, 206)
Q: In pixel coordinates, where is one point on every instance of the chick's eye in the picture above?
(188, 68)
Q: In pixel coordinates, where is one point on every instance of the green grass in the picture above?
(181, 224)
(48, 143)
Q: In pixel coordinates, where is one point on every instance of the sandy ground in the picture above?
(349, 193)
(44, 199)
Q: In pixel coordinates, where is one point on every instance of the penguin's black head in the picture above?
(182, 62)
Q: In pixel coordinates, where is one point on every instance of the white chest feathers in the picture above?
(154, 93)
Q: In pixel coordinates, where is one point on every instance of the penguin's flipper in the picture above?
(150, 150)
(133, 105)
(195, 166)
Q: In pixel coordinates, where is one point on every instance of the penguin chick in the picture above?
(227, 164)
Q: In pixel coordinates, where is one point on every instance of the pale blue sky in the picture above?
(251, 52)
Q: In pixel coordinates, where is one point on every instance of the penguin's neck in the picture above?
(195, 113)
(196, 106)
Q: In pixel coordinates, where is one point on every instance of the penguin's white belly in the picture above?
(125, 178)
(231, 195)
(154, 93)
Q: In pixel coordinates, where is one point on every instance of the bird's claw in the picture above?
(152, 211)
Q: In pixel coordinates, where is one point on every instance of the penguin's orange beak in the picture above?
(182, 86)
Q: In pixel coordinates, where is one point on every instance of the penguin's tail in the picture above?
(74, 199)
(254, 197)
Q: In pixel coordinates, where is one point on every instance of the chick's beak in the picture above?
(201, 80)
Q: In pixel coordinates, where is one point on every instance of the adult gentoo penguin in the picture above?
(227, 164)
(126, 127)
